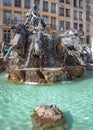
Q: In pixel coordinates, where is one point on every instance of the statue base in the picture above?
(46, 75)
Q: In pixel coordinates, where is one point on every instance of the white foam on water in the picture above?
(65, 82)
(31, 83)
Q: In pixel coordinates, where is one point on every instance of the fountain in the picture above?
(39, 56)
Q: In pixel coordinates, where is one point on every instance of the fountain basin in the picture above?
(46, 75)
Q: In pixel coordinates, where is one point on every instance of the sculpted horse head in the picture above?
(38, 43)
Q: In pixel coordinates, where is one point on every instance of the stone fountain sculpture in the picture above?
(40, 56)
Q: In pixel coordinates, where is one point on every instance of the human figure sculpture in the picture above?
(30, 14)
(33, 20)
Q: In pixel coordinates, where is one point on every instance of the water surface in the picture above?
(75, 99)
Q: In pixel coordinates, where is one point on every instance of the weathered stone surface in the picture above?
(76, 72)
(34, 75)
(16, 75)
(55, 74)
(46, 75)
(49, 117)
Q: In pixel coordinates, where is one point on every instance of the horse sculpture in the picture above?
(42, 46)
(20, 33)
(36, 43)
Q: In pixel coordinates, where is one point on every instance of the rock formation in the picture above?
(49, 117)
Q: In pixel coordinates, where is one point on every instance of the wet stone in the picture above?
(49, 117)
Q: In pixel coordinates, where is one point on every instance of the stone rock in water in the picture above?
(49, 117)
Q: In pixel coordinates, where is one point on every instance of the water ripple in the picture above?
(17, 102)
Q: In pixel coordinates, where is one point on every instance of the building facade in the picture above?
(59, 15)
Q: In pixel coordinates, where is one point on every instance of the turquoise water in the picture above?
(75, 99)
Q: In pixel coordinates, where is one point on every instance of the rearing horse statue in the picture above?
(20, 33)
(36, 42)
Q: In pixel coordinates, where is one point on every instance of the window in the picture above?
(88, 27)
(7, 35)
(17, 17)
(61, 1)
(87, 16)
(61, 25)
(88, 39)
(80, 16)
(81, 27)
(7, 2)
(7, 17)
(27, 3)
(17, 3)
(61, 11)
(88, 4)
(67, 25)
(76, 26)
(67, 12)
(53, 23)
(45, 6)
(81, 4)
(45, 19)
(75, 3)
(67, 1)
(53, 7)
(37, 2)
(75, 15)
